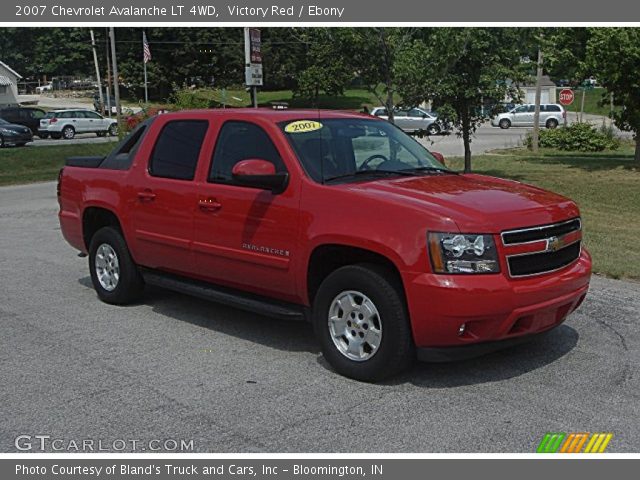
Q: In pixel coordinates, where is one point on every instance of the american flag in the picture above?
(145, 48)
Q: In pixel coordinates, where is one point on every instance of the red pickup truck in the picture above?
(334, 217)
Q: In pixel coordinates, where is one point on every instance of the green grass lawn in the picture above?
(35, 164)
(606, 186)
(592, 99)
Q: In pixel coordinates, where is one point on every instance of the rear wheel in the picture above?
(101, 134)
(68, 132)
(551, 123)
(361, 321)
(114, 275)
(56, 136)
(113, 129)
(504, 123)
(43, 135)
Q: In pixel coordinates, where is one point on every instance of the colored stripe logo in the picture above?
(574, 442)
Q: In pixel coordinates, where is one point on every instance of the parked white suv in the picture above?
(551, 115)
(66, 123)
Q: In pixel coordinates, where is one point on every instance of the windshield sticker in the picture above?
(302, 126)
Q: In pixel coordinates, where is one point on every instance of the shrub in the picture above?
(577, 137)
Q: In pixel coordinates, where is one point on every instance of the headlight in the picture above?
(463, 253)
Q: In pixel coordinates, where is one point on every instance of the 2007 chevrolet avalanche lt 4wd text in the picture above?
(335, 217)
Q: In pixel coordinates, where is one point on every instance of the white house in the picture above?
(547, 92)
(8, 85)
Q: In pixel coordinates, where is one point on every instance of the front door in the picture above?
(245, 237)
(164, 195)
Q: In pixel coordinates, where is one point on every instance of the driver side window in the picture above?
(376, 148)
(239, 141)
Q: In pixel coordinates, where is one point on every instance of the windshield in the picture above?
(348, 147)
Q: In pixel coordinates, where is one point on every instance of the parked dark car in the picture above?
(13, 134)
(27, 116)
(107, 100)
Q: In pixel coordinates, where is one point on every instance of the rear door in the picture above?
(245, 237)
(164, 196)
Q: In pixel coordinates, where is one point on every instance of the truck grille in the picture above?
(546, 248)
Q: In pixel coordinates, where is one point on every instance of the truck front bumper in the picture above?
(473, 314)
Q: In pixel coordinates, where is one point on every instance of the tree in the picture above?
(613, 56)
(328, 68)
(373, 53)
(460, 69)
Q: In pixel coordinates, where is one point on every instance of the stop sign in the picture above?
(566, 96)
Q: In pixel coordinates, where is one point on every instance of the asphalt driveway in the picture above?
(177, 367)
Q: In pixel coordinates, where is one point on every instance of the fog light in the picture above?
(462, 328)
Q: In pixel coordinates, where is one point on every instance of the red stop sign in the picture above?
(566, 96)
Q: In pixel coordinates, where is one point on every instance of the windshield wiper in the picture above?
(358, 173)
(430, 169)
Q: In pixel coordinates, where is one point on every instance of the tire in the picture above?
(362, 286)
(43, 136)
(433, 129)
(1, 142)
(101, 134)
(125, 287)
(56, 136)
(504, 124)
(113, 130)
(20, 144)
(551, 123)
(68, 132)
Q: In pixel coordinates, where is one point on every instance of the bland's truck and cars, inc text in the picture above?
(336, 218)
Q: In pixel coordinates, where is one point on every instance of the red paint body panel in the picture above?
(260, 242)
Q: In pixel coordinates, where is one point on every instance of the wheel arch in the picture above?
(96, 217)
(328, 257)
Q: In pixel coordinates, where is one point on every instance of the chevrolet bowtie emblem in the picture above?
(554, 244)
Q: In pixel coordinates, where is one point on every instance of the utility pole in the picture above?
(108, 75)
(116, 87)
(535, 136)
(95, 61)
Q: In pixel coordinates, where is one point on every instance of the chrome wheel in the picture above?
(68, 133)
(107, 267)
(355, 325)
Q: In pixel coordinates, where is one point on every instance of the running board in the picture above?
(233, 298)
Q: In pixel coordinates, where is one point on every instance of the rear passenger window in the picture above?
(553, 108)
(239, 141)
(175, 154)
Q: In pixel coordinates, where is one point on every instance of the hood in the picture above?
(15, 128)
(476, 203)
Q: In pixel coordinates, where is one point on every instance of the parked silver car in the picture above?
(414, 120)
(66, 123)
(551, 115)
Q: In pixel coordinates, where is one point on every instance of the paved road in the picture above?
(176, 367)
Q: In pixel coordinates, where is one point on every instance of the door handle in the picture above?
(209, 205)
(146, 195)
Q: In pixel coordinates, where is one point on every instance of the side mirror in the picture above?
(438, 156)
(259, 173)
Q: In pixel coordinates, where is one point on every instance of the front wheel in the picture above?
(114, 275)
(504, 123)
(361, 321)
(433, 129)
(113, 129)
(551, 123)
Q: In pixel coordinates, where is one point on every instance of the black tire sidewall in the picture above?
(130, 283)
(551, 124)
(396, 350)
(504, 124)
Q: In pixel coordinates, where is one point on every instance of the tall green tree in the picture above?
(613, 56)
(458, 69)
(328, 68)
